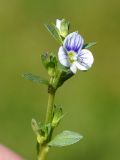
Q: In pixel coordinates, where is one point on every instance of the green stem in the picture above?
(43, 152)
(49, 115)
(50, 106)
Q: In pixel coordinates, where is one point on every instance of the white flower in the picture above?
(73, 56)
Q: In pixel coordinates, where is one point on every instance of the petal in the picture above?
(62, 56)
(85, 59)
(73, 68)
(80, 67)
(73, 42)
(58, 23)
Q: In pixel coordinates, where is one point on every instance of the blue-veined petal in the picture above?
(73, 68)
(73, 42)
(63, 58)
(85, 60)
(80, 66)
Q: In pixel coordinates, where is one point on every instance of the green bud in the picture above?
(50, 62)
(63, 27)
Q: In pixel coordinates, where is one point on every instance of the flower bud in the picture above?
(50, 62)
(63, 27)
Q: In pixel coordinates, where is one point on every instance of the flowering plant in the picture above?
(73, 55)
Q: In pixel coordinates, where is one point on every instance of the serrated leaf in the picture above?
(65, 138)
(34, 78)
(88, 45)
(54, 32)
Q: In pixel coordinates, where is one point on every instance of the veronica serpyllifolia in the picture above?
(72, 55)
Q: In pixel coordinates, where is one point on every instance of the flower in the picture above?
(73, 56)
(63, 27)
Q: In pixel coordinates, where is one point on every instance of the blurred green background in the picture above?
(91, 99)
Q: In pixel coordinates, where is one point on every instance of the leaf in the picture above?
(57, 115)
(54, 32)
(88, 45)
(65, 138)
(44, 128)
(34, 78)
(35, 126)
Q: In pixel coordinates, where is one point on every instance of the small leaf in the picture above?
(57, 115)
(44, 129)
(45, 59)
(34, 78)
(35, 126)
(88, 45)
(54, 32)
(65, 138)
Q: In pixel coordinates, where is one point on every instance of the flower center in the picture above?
(72, 57)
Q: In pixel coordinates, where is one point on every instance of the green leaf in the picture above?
(44, 129)
(34, 78)
(54, 32)
(88, 45)
(57, 115)
(65, 138)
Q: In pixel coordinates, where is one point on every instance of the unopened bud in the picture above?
(63, 27)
